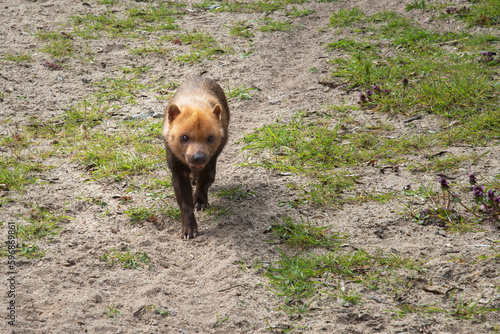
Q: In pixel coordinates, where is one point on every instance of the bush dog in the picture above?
(195, 125)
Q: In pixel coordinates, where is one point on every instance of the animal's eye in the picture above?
(210, 139)
(185, 138)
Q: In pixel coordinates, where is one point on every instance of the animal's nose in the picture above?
(199, 158)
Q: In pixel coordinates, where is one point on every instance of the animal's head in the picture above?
(193, 133)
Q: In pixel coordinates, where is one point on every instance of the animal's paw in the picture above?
(200, 202)
(189, 231)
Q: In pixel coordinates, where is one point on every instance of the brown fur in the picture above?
(195, 129)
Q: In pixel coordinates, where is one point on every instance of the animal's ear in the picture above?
(173, 111)
(217, 111)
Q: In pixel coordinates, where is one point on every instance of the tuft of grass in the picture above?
(30, 251)
(268, 24)
(239, 92)
(16, 173)
(18, 57)
(125, 87)
(217, 211)
(202, 46)
(346, 17)
(241, 29)
(60, 48)
(294, 12)
(235, 193)
(139, 214)
(304, 235)
(42, 222)
(125, 259)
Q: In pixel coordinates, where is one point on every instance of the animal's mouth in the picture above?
(196, 167)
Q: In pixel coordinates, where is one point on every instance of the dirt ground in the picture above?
(201, 282)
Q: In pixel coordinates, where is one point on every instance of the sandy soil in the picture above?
(201, 281)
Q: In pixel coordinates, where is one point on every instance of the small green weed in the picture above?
(217, 211)
(158, 310)
(111, 311)
(219, 321)
(125, 259)
(30, 251)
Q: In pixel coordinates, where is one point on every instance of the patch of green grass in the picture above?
(74, 123)
(294, 12)
(450, 163)
(304, 235)
(416, 4)
(218, 211)
(235, 193)
(350, 45)
(298, 278)
(172, 211)
(93, 26)
(140, 214)
(115, 89)
(117, 156)
(15, 173)
(264, 6)
(158, 310)
(149, 48)
(46, 35)
(346, 17)
(164, 13)
(420, 76)
(60, 48)
(30, 251)
(239, 92)
(17, 57)
(241, 29)
(315, 147)
(125, 259)
(42, 223)
(268, 24)
(202, 46)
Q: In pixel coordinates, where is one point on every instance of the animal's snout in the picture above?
(199, 158)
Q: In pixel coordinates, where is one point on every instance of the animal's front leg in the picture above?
(204, 180)
(184, 196)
